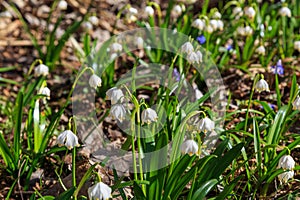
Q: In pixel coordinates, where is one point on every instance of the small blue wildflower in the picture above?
(270, 105)
(278, 68)
(201, 39)
(176, 74)
(229, 47)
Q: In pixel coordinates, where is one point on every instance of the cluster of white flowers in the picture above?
(192, 56)
(286, 162)
(245, 31)
(116, 96)
(131, 15)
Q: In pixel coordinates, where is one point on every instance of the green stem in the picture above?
(74, 169)
(133, 146)
(140, 148)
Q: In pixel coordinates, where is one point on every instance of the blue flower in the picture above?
(201, 39)
(176, 74)
(278, 68)
(229, 47)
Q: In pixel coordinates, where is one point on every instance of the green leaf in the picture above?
(204, 189)
(257, 148)
(67, 194)
(18, 113)
(228, 189)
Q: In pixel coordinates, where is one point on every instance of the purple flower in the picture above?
(176, 74)
(270, 105)
(201, 39)
(278, 68)
(229, 47)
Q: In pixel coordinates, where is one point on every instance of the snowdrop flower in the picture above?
(62, 5)
(189, 147)
(296, 103)
(262, 85)
(199, 24)
(250, 12)
(278, 68)
(139, 42)
(193, 58)
(87, 25)
(114, 95)
(45, 91)
(286, 162)
(131, 15)
(297, 45)
(149, 115)
(248, 31)
(238, 12)
(241, 31)
(220, 25)
(209, 29)
(187, 48)
(99, 191)
(285, 11)
(41, 70)
(68, 139)
(149, 11)
(198, 94)
(261, 50)
(217, 15)
(116, 47)
(214, 24)
(177, 10)
(199, 55)
(201, 39)
(206, 125)
(118, 112)
(95, 81)
(94, 20)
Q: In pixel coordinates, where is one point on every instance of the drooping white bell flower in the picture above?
(187, 48)
(95, 81)
(62, 5)
(209, 29)
(199, 55)
(149, 11)
(149, 115)
(238, 12)
(297, 45)
(217, 15)
(199, 24)
(296, 104)
(250, 12)
(205, 124)
(131, 15)
(286, 162)
(285, 11)
(248, 31)
(41, 70)
(262, 85)
(94, 20)
(45, 91)
(177, 10)
(189, 147)
(139, 42)
(118, 112)
(214, 24)
(99, 191)
(114, 95)
(285, 176)
(116, 47)
(67, 138)
(192, 58)
(261, 50)
(220, 25)
(87, 25)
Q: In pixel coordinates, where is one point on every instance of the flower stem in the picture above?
(74, 169)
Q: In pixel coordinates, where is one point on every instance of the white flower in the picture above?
(177, 10)
(139, 42)
(187, 48)
(214, 24)
(94, 20)
(99, 191)
(237, 11)
(45, 91)
(261, 50)
(131, 15)
(286, 162)
(149, 115)
(209, 29)
(241, 30)
(87, 25)
(189, 147)
(67, 138)
(297, 45)
(199, 54)
(250, 12)
(114, 95)
(296, 104)
(199, 24)
(248, 31)
(62, 5)
(192, 58)
(217, 15)
(149, 11)
(116, 47)
(95, 81)
(285, 176)
(198, 94)
(6, 14)
(285, 11)
(262, 85)
(220, 25)
(206, 125)
(41, 69)
(118, 112)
